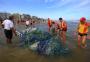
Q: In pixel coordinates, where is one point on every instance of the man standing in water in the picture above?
(9, 29)
(82, 30)
(62, 30)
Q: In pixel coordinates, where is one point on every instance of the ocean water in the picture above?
(16, 54)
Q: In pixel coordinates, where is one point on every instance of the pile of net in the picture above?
(32, 35)
(42, 42)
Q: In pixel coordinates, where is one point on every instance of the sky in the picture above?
(68, 9)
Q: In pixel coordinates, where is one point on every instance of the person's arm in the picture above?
(14, 31)
(88, 24)
(77, 27)
(2, 24)
(65, 24)
(12, 28)
(60, 26)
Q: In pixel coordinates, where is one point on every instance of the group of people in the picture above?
(9, 27)
(60, 28)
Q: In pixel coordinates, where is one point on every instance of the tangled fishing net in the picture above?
(42, 42)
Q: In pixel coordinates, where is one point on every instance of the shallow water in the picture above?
(17, 54)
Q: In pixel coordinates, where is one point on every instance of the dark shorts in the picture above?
(8, 33)
(82, 34)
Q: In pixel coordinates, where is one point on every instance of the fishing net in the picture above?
(52, 46)
(29, 37)
(42, 42)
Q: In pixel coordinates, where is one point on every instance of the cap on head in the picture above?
(83, 19)
(60, 18)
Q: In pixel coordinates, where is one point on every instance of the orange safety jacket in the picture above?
(49, 23)
(63, 25)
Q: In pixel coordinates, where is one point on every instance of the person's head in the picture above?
(60, 19)
(82, 20)
(48, 18)
(53, 22)
(33, 21)
(11, 17)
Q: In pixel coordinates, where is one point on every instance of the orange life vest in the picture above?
(49, 23)
(62, 24)
(83, 28)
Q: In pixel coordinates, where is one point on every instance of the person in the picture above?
(53, 28)
(30, 22)
(49, 24)
(82, 30)
(57, 27)
(33, 23)
(27, 23)
(62, 30)
(9, 29)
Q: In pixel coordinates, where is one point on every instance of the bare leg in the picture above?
(48, 29)
(84, 41)
(10, 41)
(79, 41)
(61, 35)
(64, 37)
(7, 40)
